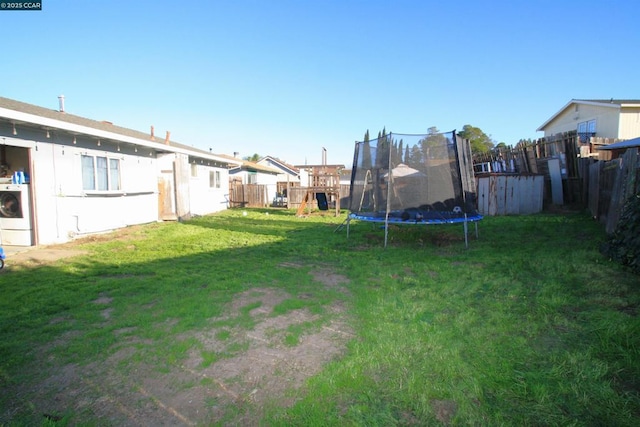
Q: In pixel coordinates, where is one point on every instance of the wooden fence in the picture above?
(602, 186)
(574, 171)
(611, 183)
(255, 196)
(509, 194)
(247, 195)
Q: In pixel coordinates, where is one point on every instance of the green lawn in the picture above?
(528, 326)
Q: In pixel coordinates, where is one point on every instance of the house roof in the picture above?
(630, 143)
(35, 110)
(294, 170)
(19, 112)
(253, 167)
(614, 103)
(233, 161)
(620, 102)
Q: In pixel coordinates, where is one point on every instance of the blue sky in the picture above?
(287, 78)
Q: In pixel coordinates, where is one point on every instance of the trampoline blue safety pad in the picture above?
(419, 218)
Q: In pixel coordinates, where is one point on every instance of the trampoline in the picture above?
(407, 179)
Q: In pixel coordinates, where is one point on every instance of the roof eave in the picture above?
(49, 123)
(283, 165)
(576, 101)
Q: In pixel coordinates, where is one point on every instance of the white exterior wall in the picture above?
(629, 123)
(283, 176)
(271, 183)
(63, 210)
(204, 198)
(304, 177)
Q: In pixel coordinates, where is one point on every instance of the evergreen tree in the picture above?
(366, 152)
(382, 150)
(434, 145)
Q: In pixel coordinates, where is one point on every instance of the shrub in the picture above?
(623, 245)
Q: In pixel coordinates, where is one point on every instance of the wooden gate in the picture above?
(247, 195)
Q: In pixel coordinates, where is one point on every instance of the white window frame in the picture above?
(101, 173)
(582, 127)
(252, 177)
(214, 179)
(586, 129)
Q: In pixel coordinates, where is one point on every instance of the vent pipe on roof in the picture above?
(61, 103)
(153, 137)
(324, 156)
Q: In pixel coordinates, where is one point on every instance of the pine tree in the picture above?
(366, 152)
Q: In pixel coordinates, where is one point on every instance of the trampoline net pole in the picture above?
(389, 185)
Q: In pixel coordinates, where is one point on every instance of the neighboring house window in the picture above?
(214, 179)
(100, 173)
(586, 130)
(194, 171)
(252, 178)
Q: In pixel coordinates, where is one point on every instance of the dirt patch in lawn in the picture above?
(255, 357)
(47, 254)
(40, 256)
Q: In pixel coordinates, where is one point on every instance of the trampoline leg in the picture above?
(466, 232)
(386, 233)
(341, 225)
(476, 223)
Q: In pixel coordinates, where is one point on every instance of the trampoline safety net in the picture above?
(418, 179)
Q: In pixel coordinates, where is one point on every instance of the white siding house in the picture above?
(611, 118)
(85, 176)
(253, 173)
(287, 173)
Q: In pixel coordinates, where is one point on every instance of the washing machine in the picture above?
(15, 215)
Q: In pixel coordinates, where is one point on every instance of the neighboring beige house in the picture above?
(605, 118)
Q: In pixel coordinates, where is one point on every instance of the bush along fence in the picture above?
(575, 172)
